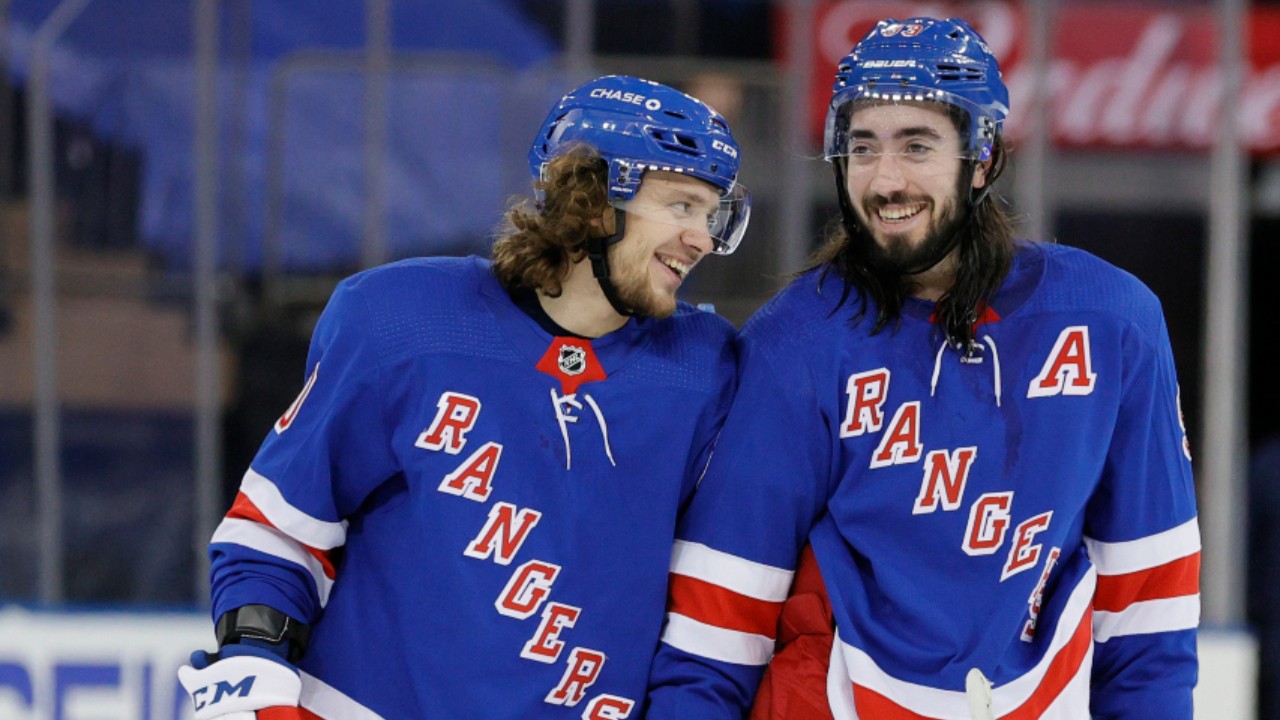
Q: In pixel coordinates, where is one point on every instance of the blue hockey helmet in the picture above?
(921, 59)
(638, 125)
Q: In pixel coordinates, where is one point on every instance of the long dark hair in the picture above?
(984, 245)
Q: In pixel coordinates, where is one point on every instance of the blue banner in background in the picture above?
(470, 81)
(65, 666)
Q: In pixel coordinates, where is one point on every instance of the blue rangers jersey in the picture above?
(1029, 513)
(476, 517)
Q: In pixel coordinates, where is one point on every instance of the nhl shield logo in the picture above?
(572, 360)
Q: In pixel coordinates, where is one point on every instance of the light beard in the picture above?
(634, 286)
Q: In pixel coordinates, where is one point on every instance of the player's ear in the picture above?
(980, 174)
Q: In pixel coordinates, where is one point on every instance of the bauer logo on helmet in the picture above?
(889, 63)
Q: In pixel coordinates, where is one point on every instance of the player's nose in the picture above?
(887, 176)
(697, 239)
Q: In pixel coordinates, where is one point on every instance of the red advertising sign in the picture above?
(1120, 75)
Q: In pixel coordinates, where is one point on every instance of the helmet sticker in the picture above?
(907, 30)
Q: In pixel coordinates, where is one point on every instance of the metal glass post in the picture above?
(579, 39)
(1222, 470)
(1035, 160)
(48, 428)
(376, 70)
(797, 193)
(208, 468)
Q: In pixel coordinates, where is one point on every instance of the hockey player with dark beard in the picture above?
(468, 512)
(955, 481)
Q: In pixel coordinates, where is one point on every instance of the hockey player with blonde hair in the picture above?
(469, 509)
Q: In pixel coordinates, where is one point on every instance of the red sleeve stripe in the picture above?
(244, 509)
(714, 605)
(1147, 617)
(306, 528)
(742, 576)
(262, 538)
(1174, 579)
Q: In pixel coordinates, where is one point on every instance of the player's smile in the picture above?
(896, 215)
(895, 218)
(672, 269)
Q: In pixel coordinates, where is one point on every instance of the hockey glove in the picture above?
(237, 682)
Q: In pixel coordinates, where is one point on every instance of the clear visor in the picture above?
(698, 208)
(920, 155)
(844, 138)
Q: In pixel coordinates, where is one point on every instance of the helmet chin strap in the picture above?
(598, 252)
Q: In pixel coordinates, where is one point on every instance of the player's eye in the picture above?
(918, 150)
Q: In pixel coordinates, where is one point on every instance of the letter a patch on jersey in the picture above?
(1069, 368)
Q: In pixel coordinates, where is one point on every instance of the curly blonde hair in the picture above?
(536, 245)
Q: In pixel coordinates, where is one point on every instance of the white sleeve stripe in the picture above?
(1147, 617)
(753, 579)
(709, 641)
(308, 530)
(269, 541)
(1121, 558)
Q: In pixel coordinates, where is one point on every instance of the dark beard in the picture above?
(899, 257)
